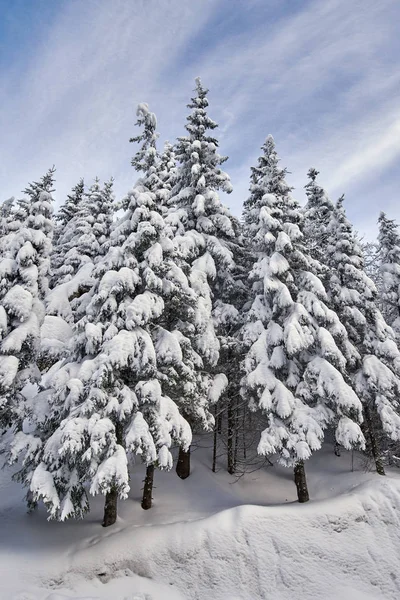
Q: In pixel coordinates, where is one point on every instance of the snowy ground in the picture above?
(208, 537)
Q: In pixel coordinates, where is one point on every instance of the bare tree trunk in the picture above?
(244, 433)
(214, 460)
(374, 442)
(110, 508)
(183, 464)
(219, 423)
(111, 502)
(301, 482)
(231, 469)
(235, 454)
(148, 488)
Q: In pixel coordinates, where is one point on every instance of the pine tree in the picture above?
(389, 254)
(208, 238)
(375, 372)
(24, 270)
(295, 368)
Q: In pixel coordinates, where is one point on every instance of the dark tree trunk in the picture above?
(219, 423)
(235, 454)
(231, 412)
(375, 450)
(148, 488)
(110, 508)
(214, 460)
(301, 482)
(111, 503)
(183, 464)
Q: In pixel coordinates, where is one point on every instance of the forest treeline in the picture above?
(125, 327)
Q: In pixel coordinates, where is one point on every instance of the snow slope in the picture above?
(211, 537)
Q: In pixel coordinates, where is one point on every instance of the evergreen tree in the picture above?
(389, 254)
(114, 396)
(295, 369)
(375, 372)
(62, 232)
(168, 168)
(208, 240)
(24, 270)
(84, 239)
(317, 214)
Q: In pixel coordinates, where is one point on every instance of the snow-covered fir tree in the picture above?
(24, 270)
(295, 368)
(83, 240)
(208, 238)
(389, 255)
(376, 373)
(114, 397)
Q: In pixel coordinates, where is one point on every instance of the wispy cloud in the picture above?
(321, 76)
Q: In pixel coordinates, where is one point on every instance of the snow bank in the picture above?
(348, 549)
(344, 547)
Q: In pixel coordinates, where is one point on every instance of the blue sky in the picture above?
(321, 75)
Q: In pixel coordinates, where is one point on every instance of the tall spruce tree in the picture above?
(208, 238)
(376, 370)
(295, 368)
(389, 255)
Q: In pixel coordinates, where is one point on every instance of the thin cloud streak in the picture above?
(323, 80)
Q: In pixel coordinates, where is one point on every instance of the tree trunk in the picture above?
(231, 468)
(301, 482)
(375, 450)
(148, 488)
(183, 464)
(110, 508)
(111, 503)
(214, 460)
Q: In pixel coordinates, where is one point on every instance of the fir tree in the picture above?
(80, 245)
(24, 270)
(114, 396)
(295, 369)
(208, 240)
(317, 214)
(375, 372)
(389, 254)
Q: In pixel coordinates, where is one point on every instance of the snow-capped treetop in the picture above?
(317, 215)
(389, 254)
(146, 158)
(266, 178)
(86, 236)
(295, 370)
(157, 170)
(71, 205)
(199, 176)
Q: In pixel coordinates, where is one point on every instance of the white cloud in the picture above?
(323, 79)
